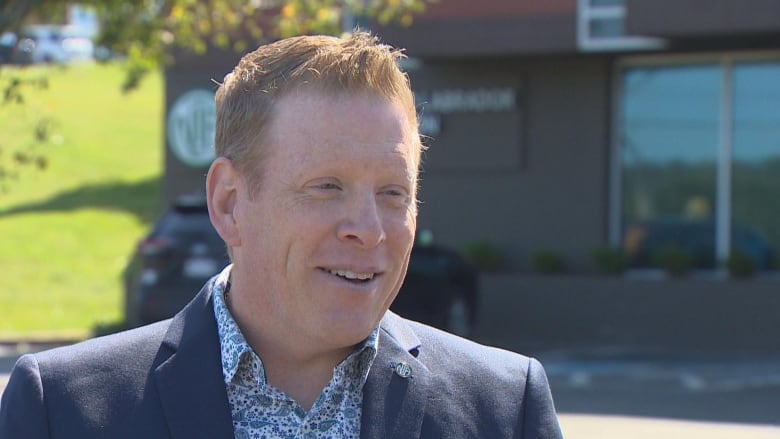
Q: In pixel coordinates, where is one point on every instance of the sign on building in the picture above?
(191, 124)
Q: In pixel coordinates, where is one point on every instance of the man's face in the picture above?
(325, 239)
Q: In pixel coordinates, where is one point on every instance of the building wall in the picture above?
(703, 18)
(683, 314)
(551, 191)
(488, 28)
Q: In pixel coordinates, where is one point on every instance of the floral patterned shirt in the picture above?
(262, 411)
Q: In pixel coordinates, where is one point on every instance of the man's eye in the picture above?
(328, 186)
(395, 193)
(397, 196)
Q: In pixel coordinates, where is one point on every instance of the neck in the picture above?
(299, 367)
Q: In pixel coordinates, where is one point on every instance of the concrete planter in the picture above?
(529, 312)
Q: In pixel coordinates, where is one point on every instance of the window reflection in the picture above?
(669, 150)
(756, 158)
(607, 27)
(670, 136)
(607, 2)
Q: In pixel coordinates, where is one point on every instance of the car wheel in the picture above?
(458, 317)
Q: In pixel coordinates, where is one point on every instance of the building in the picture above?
(560, 127)
(566, 125)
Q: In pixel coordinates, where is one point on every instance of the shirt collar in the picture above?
(233, 345)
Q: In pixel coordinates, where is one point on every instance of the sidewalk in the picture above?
(622, 427)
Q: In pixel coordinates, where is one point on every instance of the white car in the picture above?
(54, 44)
(77, 43)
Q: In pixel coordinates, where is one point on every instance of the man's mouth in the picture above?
(352, 275)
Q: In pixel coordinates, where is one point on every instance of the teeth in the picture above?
(352, 274)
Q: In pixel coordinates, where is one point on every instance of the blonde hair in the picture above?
(358, 63)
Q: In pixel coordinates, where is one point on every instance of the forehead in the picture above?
(311, 122)
(306, 99)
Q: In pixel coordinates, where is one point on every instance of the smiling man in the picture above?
(314, 192)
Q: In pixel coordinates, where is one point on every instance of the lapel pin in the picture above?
(403, 370)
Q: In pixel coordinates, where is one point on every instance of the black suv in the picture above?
(183, 251)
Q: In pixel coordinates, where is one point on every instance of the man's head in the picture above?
(247, 98)
(314, 188)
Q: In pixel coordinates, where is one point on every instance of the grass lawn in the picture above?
(66, 231)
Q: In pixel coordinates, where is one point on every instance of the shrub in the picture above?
(484, 255)
(548, 262)
(740, 264)
(609, 260)
(674, 259)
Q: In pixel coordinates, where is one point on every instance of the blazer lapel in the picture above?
(190, 383)
(394, 403)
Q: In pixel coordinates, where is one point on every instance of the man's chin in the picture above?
(350, 330)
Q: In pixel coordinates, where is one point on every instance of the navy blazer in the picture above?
(165, 381)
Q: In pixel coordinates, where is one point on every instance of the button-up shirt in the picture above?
(262, 411)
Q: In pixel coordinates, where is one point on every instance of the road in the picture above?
(615, 394)
(619, 394)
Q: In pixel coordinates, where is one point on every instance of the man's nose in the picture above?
(362, 222)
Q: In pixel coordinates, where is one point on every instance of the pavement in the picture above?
(611, 393)
(578, 426)
(618, 393)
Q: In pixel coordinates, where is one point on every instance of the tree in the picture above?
(146, 34)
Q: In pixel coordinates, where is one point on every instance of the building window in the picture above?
(698, 161)
(600, 27)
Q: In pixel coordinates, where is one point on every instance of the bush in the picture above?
(674, 259)
(548, 262)
(740, 264)
(484, 255)
(609, 260)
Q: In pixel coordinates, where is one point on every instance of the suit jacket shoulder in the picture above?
(161, 380)
(470, 390)
(80, 389)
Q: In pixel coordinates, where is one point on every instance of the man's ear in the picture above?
(222, 184)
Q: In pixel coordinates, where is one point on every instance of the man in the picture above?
(314, 191)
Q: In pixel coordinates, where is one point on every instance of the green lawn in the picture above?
(66, 231)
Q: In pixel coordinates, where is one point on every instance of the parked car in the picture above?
(43, 43)
(78, 44)
(440, 288)
(8, 42)
(182, 251)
